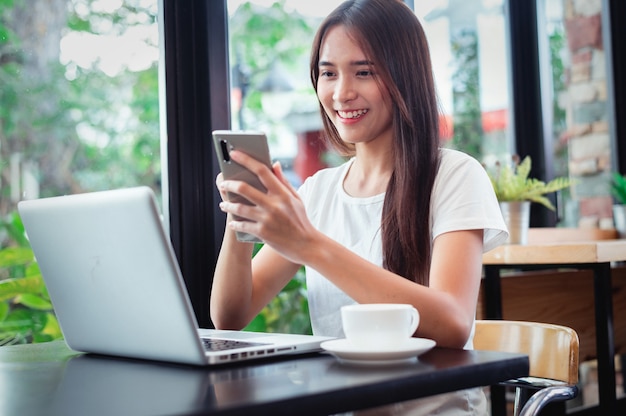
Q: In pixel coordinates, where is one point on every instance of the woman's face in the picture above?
(347, 89)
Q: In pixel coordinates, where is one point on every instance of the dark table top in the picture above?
(50, 379)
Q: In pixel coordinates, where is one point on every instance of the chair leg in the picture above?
(622, 359)
(498, 400)
(554, 409)
(521, 397)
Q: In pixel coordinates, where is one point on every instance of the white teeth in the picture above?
(351, 114)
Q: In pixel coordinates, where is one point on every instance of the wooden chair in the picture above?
(553, 358)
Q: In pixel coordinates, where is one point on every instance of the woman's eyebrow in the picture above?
(353, 63)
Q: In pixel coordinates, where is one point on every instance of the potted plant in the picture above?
(515, 191)
(618, 188)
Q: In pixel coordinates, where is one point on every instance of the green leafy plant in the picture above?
(618, 187)
(288, 312)
(26, 313)
(511, 183)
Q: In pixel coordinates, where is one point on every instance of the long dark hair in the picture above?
(391, 36)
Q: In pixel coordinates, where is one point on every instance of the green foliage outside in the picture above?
(261, 36)
(288, 312)
(468, 129)
(79, 129)
(269, 43)
(26, 313)
(557, 44)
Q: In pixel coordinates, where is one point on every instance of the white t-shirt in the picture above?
(462, 199)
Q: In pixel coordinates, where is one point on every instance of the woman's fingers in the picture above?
(248, 212)
(218, 181)
(274, 214)
(263, 172)
(275, 185)
(243, 189)
(278, 172)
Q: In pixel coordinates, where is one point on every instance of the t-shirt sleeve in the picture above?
(463, 199)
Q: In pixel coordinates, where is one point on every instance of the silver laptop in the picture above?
(116, 287)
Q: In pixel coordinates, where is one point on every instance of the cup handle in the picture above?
(415, 320)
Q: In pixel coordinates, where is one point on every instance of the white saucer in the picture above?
(348, 352)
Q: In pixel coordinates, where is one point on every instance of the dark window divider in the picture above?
(197, 102)
(615, 39)
(526, 119)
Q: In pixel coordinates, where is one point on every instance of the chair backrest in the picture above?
(552, 349)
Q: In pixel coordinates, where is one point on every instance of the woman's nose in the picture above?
(344, 90)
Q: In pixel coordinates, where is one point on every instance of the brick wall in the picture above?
(587, 135)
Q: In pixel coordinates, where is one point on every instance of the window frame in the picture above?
(196, 103)
(527, 119)
(615, 36)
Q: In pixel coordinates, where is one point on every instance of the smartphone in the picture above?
(254, 144)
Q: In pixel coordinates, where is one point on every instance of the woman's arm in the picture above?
(238, 294)
(447, 307)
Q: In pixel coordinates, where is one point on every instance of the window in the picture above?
(80, 98)
(79, 112)
(469, 53)
(577, 108)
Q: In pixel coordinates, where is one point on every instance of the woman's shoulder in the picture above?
(453, 159)
(459, 164)
(460, 171)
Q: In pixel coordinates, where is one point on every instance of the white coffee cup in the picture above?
(379, 325)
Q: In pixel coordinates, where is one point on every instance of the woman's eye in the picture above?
(365, 73)
(326, 74)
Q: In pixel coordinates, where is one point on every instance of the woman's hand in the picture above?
(243, 285)
(277, 217)
(218, 182)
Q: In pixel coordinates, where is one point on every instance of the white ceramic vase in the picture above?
(516, 215)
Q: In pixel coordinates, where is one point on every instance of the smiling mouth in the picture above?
(351, 114)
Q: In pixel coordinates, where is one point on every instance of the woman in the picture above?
(402, 221)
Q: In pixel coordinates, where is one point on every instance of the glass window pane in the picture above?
(469, 53)
(579, 108)
(270, 87)
(79, 95)
(79, 112)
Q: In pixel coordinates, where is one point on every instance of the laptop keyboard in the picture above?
(226, 344)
